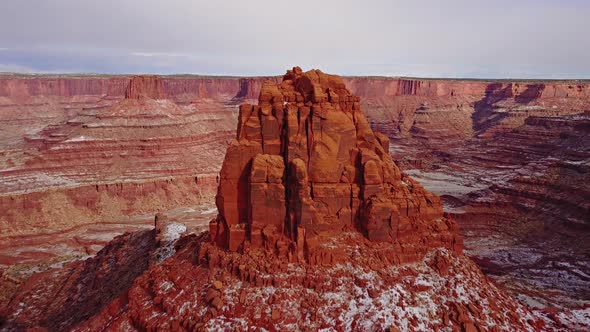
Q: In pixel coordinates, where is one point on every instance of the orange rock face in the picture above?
(305, 165)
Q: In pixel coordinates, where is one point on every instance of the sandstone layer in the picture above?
(205, 288)
(60, 298)
(202, 287)
(522, 199)
(512, 173)
(141, 154)
(441, 109)
(306, 165)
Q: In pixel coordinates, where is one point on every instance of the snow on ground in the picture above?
(353, 297)
(172, 232)
(576, 319)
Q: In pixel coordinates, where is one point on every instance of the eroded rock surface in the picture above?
(305, 165)
(141, 154)
(62, 297)
(443, 129)
(520, 198)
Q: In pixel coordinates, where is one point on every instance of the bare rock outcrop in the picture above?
(316, 224)
(305, 165)
(141, 154)
(144, 87)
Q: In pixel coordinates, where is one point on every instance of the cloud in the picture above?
(455, 38)
(161, 54)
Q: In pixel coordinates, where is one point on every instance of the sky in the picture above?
(427, 38)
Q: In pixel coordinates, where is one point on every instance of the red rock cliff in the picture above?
(179, 89)
(305, 164)
(144, 87)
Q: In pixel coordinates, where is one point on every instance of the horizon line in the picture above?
(81, 74)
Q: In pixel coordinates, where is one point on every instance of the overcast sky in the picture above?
(428, 38)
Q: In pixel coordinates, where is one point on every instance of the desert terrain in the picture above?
(480, 175)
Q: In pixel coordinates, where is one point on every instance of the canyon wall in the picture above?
(107, 157)
(249, 87)
(461, 109)
(310, 202)
(487, 147)
(509, 159)
(181, 89)
(51, 122)
(399, 107)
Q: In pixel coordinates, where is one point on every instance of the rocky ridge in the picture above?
(535, 195)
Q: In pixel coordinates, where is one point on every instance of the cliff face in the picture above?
(412, 108)
(397, 107)
(179, 89)
(508, 159)
(140, 154)
(61, 298)
(204, 86)
(145, 87)
(518, 194)
(74, 150)
(306, 164)
(63, 87)
(377, 87)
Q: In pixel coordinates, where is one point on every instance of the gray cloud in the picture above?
(453, 38)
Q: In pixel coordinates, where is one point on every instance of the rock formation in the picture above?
(317, 229)
(305, 165)
(141, 154)
(530, 185)
(509, 159)
(145, 87)
(435, 110)
(518, 191)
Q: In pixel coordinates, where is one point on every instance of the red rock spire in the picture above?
(306, 166)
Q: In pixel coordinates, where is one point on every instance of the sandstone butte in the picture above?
(317, 230)
(306, 166)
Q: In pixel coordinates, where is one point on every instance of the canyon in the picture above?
(84, 158)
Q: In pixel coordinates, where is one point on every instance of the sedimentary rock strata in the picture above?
(516, 184)
(438, 109)
(141, 154)
(365, 291)
(509, 158)
(537, 198)
(306, 165)
(311, 203)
